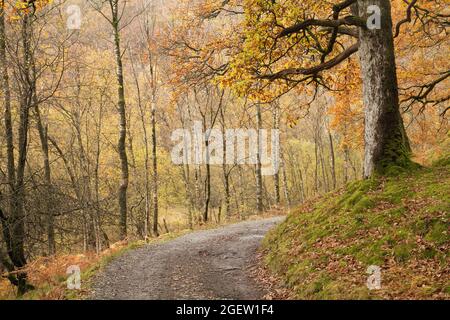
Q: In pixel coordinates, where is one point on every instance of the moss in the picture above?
(372, 253)
(394, 192)
(363, 204)
(428, 253)
(396, 212)
(317, 287)
(349, 250)
(421, 227)
(394, 171)
(403, 233)
(372, 222)
(433, 189)
(396, 157)
(356, 199)
(297, 272)
(438, 233)
(317, 234)
(444, 161)
(402, 252)
(447, 289)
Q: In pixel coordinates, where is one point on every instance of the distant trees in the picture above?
(26, 75)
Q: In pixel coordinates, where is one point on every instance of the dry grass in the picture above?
(48, 274)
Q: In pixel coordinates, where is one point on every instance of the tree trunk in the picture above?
(11, 175)
(121, 104)
(302, 183)
(48, 183)
(16, 220)
(285, 182)
(207, 178)
(7, 105)
(185, 172)
(276, 177)
(316, 168)
(146, 159)
(155, 171)
(240, 202)
(386, 142)
(333, 160)
(346, 163)
(259, 191)
(84, 195)
(186, 179)
(13, 225)
(226, 176)
(322, 165)
(100, 234)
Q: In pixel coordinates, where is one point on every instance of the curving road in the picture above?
(211, 264)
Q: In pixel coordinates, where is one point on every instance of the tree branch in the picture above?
(405, 20)
(349, 21)
(316, 69)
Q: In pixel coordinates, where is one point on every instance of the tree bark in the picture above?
(225, 171)
(155, 171)
(316, 168)
(146, 156)
(333, 160)
(276, 177)
(102, 238)
(7, 105)
(346, 163)
(259, 186)
(302, 183)
(386, 142)
(15, 224)
(285, 182)
(48, 183)
(82, 186)
(208, 174)
(121, 104)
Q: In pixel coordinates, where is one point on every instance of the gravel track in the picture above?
(211, 264)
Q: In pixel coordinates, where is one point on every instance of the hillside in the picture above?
(401, 224)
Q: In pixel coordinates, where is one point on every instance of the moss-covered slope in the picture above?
(401, 224)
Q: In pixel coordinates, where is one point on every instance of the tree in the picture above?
(258, 166)
(13, 224)
(43, 136)
(115, 22)
(276, 177)
(293, 43)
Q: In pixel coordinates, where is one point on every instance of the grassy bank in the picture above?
(401, 224)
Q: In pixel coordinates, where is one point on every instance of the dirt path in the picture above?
(210, 264)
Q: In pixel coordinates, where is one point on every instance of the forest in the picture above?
(94, 92)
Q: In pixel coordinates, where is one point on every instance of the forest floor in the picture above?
(209, 264)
